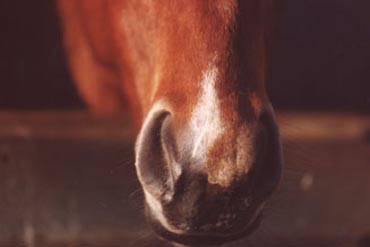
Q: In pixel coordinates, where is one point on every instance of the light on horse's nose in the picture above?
(155, 151)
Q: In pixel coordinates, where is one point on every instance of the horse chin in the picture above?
(203, 238)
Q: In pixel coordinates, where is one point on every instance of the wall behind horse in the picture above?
(321, 60)
(32, 65)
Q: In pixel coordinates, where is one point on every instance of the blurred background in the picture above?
(67, 178)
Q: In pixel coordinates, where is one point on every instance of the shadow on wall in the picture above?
(321, 60)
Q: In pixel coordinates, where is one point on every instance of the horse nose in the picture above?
(266, 172)
(155, 151)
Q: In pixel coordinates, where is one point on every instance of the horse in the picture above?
(192, 75)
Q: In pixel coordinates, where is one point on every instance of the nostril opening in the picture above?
(268, 164)
(150, 143)
(167, 142)
(155, 156)
(149, 154)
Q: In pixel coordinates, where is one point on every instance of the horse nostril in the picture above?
(268, 167)
(155, 155)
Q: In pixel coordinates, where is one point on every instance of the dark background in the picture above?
(321, 60)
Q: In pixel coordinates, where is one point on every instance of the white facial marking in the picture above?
(205, 122)
(245, 152)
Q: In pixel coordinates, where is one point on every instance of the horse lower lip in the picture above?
(204, 238)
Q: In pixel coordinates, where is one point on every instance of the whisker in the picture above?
(135, 193)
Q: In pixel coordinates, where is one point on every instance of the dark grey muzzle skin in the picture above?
(208, 214)
(203, 239)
